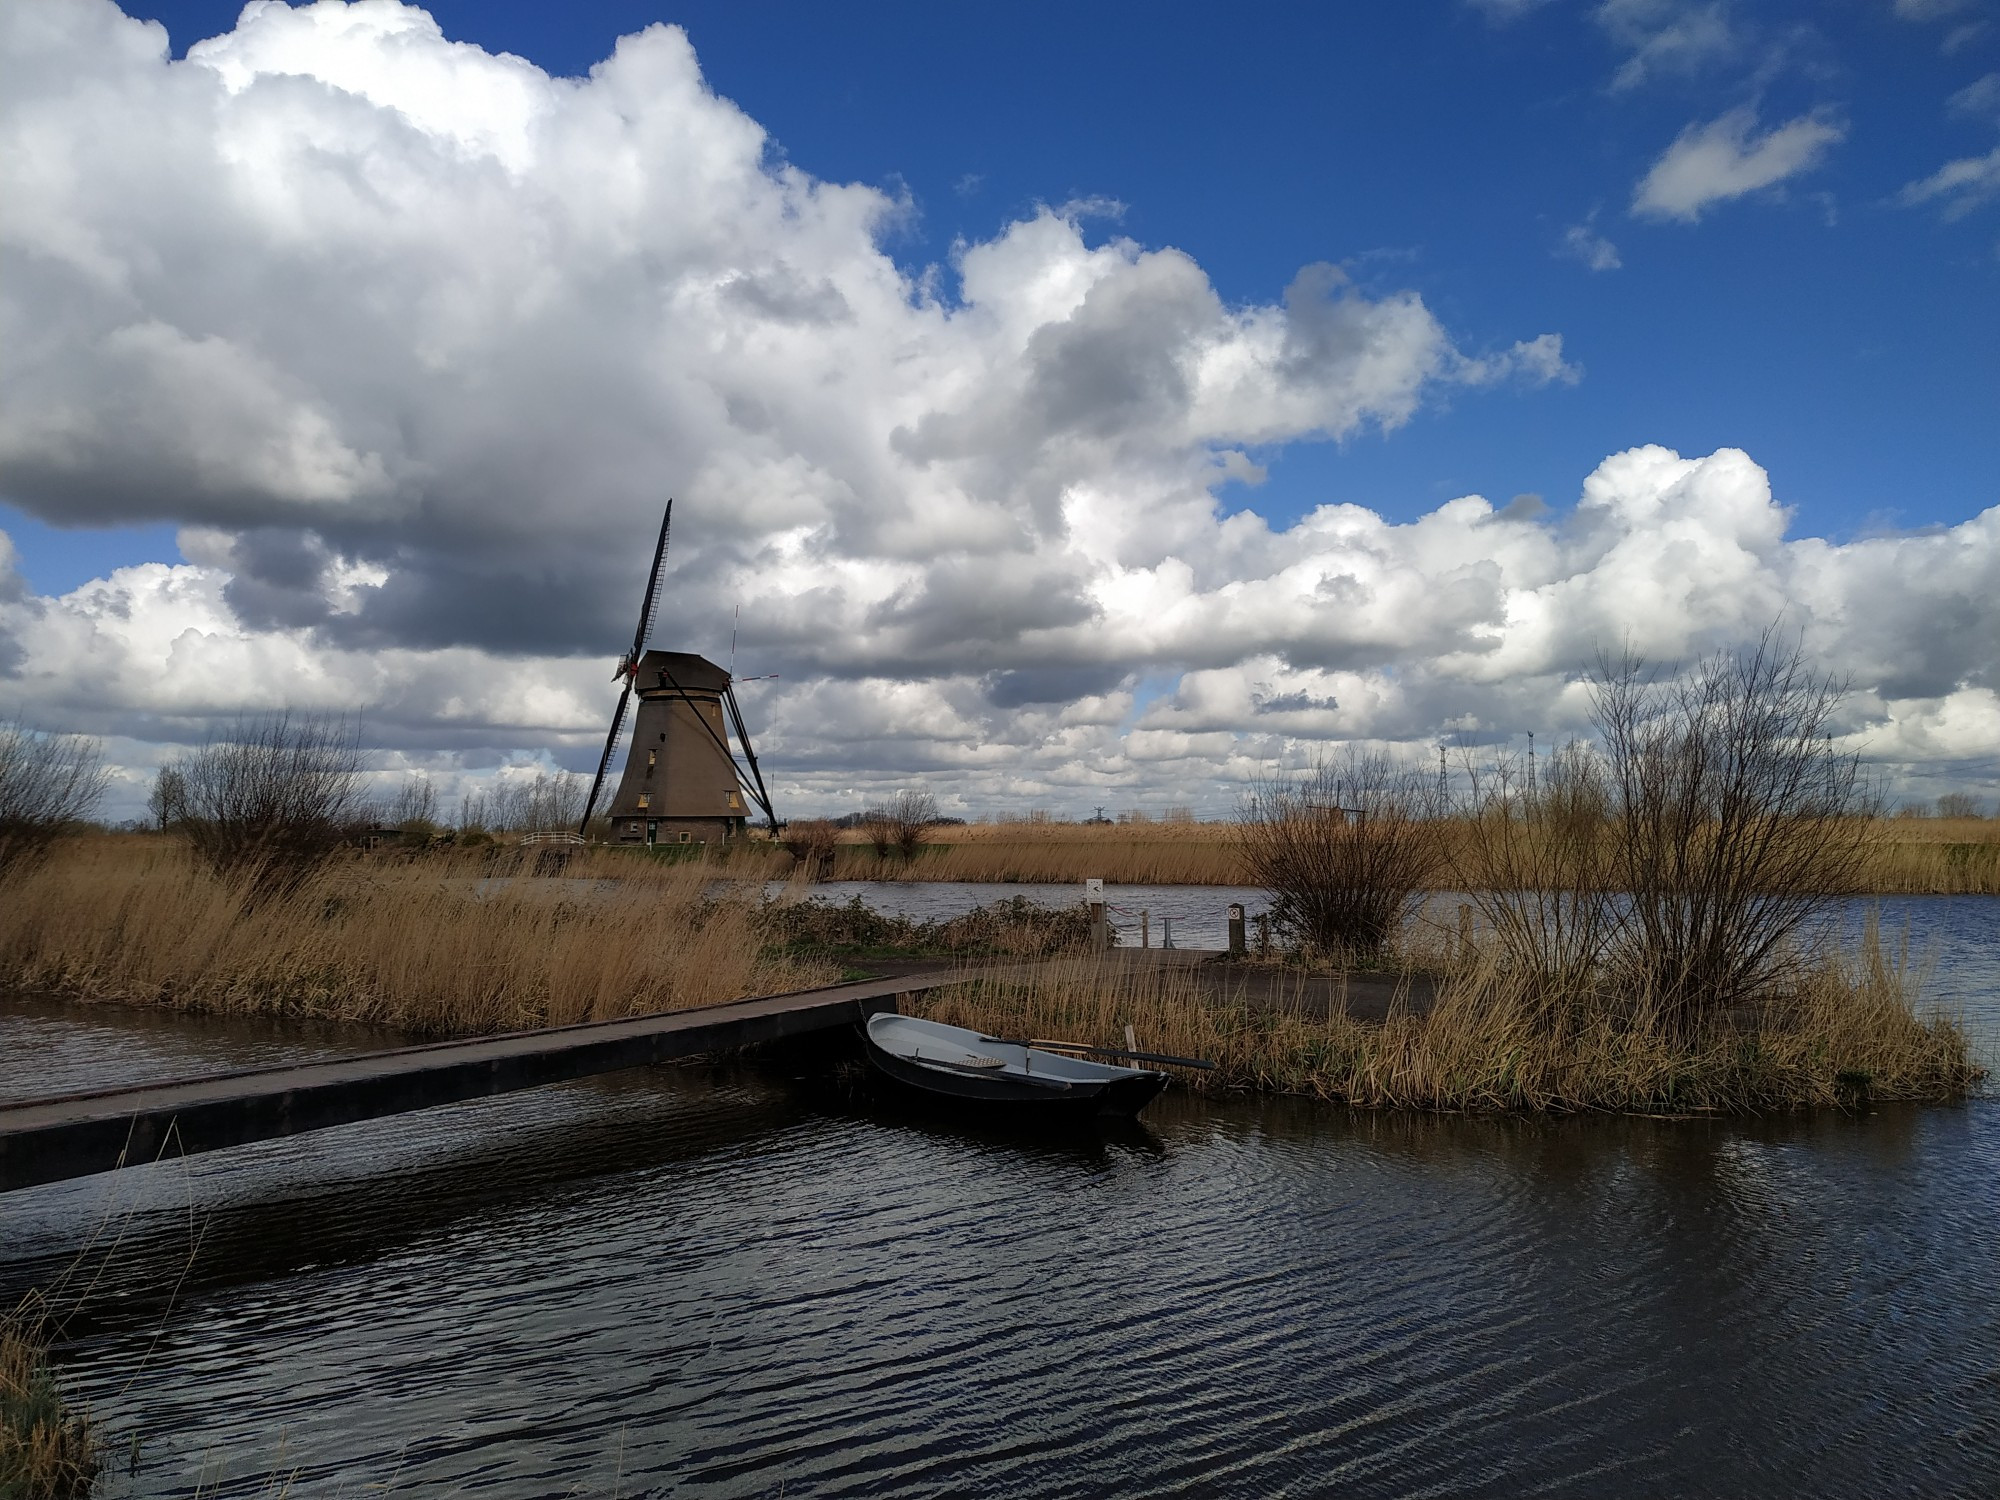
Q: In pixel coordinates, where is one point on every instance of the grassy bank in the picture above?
(852, 932)
(1904, 856)
(1846, 1034)
(48, 1449)
(465, 942)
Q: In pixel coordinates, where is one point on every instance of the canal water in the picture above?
(764, 1282)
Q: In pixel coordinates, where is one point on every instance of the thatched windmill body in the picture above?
(683, 781)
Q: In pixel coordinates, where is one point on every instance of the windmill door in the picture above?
(652, 831)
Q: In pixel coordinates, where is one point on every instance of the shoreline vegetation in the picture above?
(1845, 1034)
(1645, 918)
(48, 1447)
(1900, 856)
(461, 942)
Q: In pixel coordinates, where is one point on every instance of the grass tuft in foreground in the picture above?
(1846, 1034)
(48, 1449)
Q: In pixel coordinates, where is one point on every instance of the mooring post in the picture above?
(1100, 931)
(1145, 928)
(1263, 934)
(1166, 932)
(1464, 931)
(1238, 947)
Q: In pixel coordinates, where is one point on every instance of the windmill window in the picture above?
(735, 801)
(652, 759)
(645, 800)
(684, 835)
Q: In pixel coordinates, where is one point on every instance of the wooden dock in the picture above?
(46, 1140)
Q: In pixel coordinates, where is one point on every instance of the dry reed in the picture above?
(439, 944)
(1848, 1033)
(48, 1449)
(1900, 856)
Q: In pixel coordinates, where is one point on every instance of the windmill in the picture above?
(682, 783)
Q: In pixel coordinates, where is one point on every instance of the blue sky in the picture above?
(334, 316)
(1850, 343)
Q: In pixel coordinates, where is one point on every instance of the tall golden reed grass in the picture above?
(48, 1448)
(1848, 1033)
(446, 944)
(1904, 856)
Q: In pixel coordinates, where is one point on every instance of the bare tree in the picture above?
(1344, 849)
(414, 807)
(547, 802)
(168, 799)
(901, 822)
(47, 783)
(272, 803)
(913, 812)
(880, 829)
(1736, 819)
(1960, 805)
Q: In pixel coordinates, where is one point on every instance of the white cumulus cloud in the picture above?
(1727, 158)
(411, 342)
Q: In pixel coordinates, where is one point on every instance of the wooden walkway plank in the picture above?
(75, 1135)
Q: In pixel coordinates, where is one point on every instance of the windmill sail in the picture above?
(648, 608)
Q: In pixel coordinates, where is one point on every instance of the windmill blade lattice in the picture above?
(648, 608)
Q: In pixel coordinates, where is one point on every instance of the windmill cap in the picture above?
(683, 669)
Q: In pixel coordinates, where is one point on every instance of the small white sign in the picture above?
(1093, 890)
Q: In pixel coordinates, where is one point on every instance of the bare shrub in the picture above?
(879, 829)
(901, 822)
(414, 806)
(47, 783)
(1344, 849)
(915, 813)
(1535, 855)
(547, 802)
(811, 841)
(271, 805)
(1960, 805)
(1735, 818)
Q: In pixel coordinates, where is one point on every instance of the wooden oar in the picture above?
(1049, 1046)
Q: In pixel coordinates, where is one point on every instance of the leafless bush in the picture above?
(811, 841)
(1960, 805)
(547, 802)
(1736, 817)
(271, 804)
(47, 783)
(1535, 856)
(413, 807)
(1344, 849)
(901, 822)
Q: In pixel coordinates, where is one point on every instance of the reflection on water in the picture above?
(716, 1282)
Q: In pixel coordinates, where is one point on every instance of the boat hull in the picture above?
(1119, 1094)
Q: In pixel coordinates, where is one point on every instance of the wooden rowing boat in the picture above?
(953, 1063)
